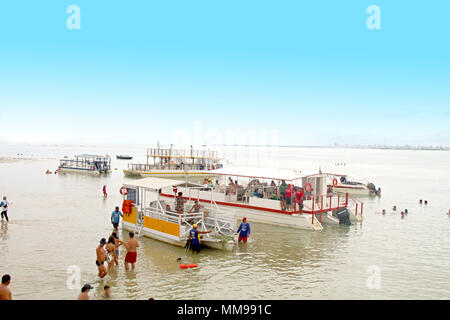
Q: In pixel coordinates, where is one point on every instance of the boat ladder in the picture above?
(139, 224)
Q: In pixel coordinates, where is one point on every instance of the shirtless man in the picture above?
(5, 293)
(101, 258)
(84, 295)
(131, 246)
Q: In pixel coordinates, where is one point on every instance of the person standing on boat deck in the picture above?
(5, 293)
(131, 256)
(115, 217)
(179, 204)
(84, 295)
(243, 230)
(194, 240)
(101, 258)
(289, 192)
(283, 194)
(299, 200)
(4, 207)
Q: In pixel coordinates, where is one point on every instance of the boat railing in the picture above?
(183, 153)
(357, 206)
(318, 204)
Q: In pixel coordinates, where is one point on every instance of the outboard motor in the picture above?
(343, 215)
(372, 187)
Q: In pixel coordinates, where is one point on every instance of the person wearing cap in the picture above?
(101, 258)
(84, 295)
(243, 230)
(194, 239)
(4, 208)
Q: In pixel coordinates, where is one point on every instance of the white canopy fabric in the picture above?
(261, 173)
(153, 183)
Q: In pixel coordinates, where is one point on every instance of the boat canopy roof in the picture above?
(90, 156)
(262, 173)
(153, 183)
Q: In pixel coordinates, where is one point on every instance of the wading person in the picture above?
(84, 295)
(243, 230)
(115, 218)
(101, 258)
(194, 239)
(104, 192)
(111, 253)
(5, 293)
(131, 256)
(4, 208)
(117, 243)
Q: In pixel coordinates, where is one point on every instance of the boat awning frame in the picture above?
(153, 183)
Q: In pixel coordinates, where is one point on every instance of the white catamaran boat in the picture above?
(89, 163)
(175, 163)
(145, 213)
(255, 194)
(354, 186)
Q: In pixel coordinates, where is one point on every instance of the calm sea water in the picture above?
(57, 221)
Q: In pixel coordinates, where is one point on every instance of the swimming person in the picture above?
(383, 211)
(101, 258)
(84, 295)
(115, 218)
(107, 291)
(5, 293)
(111, 253)
(117, 243)
(194, 239)
(4, 208)
(244, 230)
(131, 246)
(425, 202)
(104, 192)
(394, 208)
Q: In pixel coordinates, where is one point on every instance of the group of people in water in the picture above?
(405, 212)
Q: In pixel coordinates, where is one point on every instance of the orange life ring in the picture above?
(310, 187)
(192, 265)
(335, 182)
(123, 191)
(183, 266)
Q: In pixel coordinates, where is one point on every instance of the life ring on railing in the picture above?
(310, 187)
(335, 182)
(123, 191)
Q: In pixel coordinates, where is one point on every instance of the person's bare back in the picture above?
(5, 293)
(132, 245)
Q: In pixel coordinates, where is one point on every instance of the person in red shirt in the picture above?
(299, 200)
(289, 192)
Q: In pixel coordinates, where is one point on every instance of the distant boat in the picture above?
(124, 157)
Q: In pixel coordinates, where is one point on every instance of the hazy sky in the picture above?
(288, 72)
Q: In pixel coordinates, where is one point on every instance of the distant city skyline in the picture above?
(253, 72)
